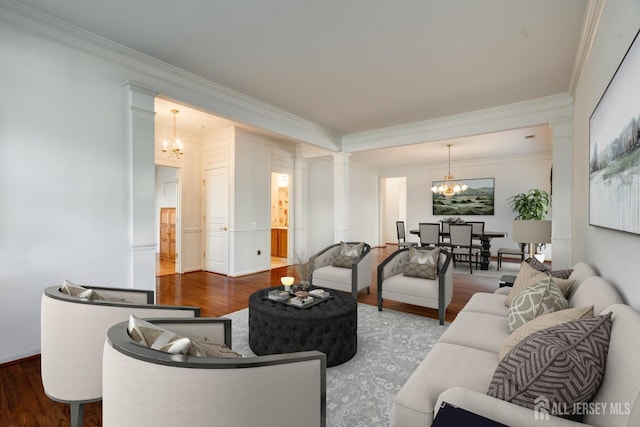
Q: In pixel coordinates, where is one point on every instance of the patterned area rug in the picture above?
(507, 267)
(391, 344)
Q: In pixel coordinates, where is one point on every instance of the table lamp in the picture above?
(532, 232)
(287, 281)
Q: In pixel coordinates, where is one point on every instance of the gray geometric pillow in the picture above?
(423, 271)
(81, 292)
(562, 366)
(422, 256)
(344, 261)
(353, 250)
(542, 298)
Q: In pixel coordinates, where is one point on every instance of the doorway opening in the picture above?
(279, 220)
(166, 219)
(394, 206)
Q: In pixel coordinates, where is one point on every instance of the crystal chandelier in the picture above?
(176, 146)
(449, 187)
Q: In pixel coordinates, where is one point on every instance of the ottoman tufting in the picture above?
(330, 327)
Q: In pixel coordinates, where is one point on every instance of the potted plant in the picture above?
(530, 225)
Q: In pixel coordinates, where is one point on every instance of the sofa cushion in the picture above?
(490, 303)
(543, 322)
(542, 298)
(561, 274)
(528, 276)
(564, 365)
(482, 331)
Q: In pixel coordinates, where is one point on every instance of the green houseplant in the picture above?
(531, 205)
(530, 226)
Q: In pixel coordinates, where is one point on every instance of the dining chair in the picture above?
(402, 239)
(477, 230)
(429, 234)
(461, 246)
(444, 234)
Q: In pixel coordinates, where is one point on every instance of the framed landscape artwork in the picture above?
(478, 199)
(614, 149)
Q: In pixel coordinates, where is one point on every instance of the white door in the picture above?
(217, 220)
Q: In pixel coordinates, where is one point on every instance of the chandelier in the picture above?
(176, 146)
(449, 187)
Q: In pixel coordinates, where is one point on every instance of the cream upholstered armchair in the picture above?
(344, 266)
(399, 279)
(146, 387)
(73, 330)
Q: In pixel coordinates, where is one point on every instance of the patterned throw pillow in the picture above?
(153, 336)
(344, 261)
(158, 338)
(542, 298)
(561, 274)
(528, 276)
(422, 263)
(352, 250)
(422, 256)
(81, 292)
(563, 366)
(543, 322)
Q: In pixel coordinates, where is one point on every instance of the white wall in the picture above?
(613, 253)
(64, 179)
(320, 230)
(364, 201)
(511, 175)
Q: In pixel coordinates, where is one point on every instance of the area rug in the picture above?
(391, 345)
(510, 268)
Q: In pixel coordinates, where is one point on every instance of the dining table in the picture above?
(485, 240)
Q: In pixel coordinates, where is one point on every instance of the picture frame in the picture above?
(478, 199)
(614, 149)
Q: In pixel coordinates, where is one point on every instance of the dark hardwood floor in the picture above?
(22, 399)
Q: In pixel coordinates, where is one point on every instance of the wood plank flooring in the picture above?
(22, 399)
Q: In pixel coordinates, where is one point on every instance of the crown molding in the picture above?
(461, 164)
(171, 81)
(511, 116)
(590, 25)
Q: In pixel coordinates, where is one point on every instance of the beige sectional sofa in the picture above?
(460, 367)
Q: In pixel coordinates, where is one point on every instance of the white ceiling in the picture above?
(356, 65)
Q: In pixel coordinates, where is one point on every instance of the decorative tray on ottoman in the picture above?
(314, 297)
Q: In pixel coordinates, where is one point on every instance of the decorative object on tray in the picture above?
(287, 281)
(301, 299)
(278, 295)
(319, 293)
(304, 270)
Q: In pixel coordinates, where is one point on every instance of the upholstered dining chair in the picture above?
(477, 229)
(402, 237)
(461, 245)
(73, 330)
(344, 266)
(429, 234)
(147, 387)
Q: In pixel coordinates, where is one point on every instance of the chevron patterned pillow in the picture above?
(563, 366)
(542, 298)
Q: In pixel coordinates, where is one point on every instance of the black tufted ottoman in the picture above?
(330, 327)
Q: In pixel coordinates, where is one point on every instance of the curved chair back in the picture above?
(73, 331)
(352, 279)
(147, 387)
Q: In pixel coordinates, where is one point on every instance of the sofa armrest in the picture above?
(500, 410)
(503, 291)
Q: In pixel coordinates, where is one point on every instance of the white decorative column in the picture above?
(140, 146)
(341, 196)
(300, 187)
(562, 193)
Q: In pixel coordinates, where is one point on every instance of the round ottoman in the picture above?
(329, 326)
